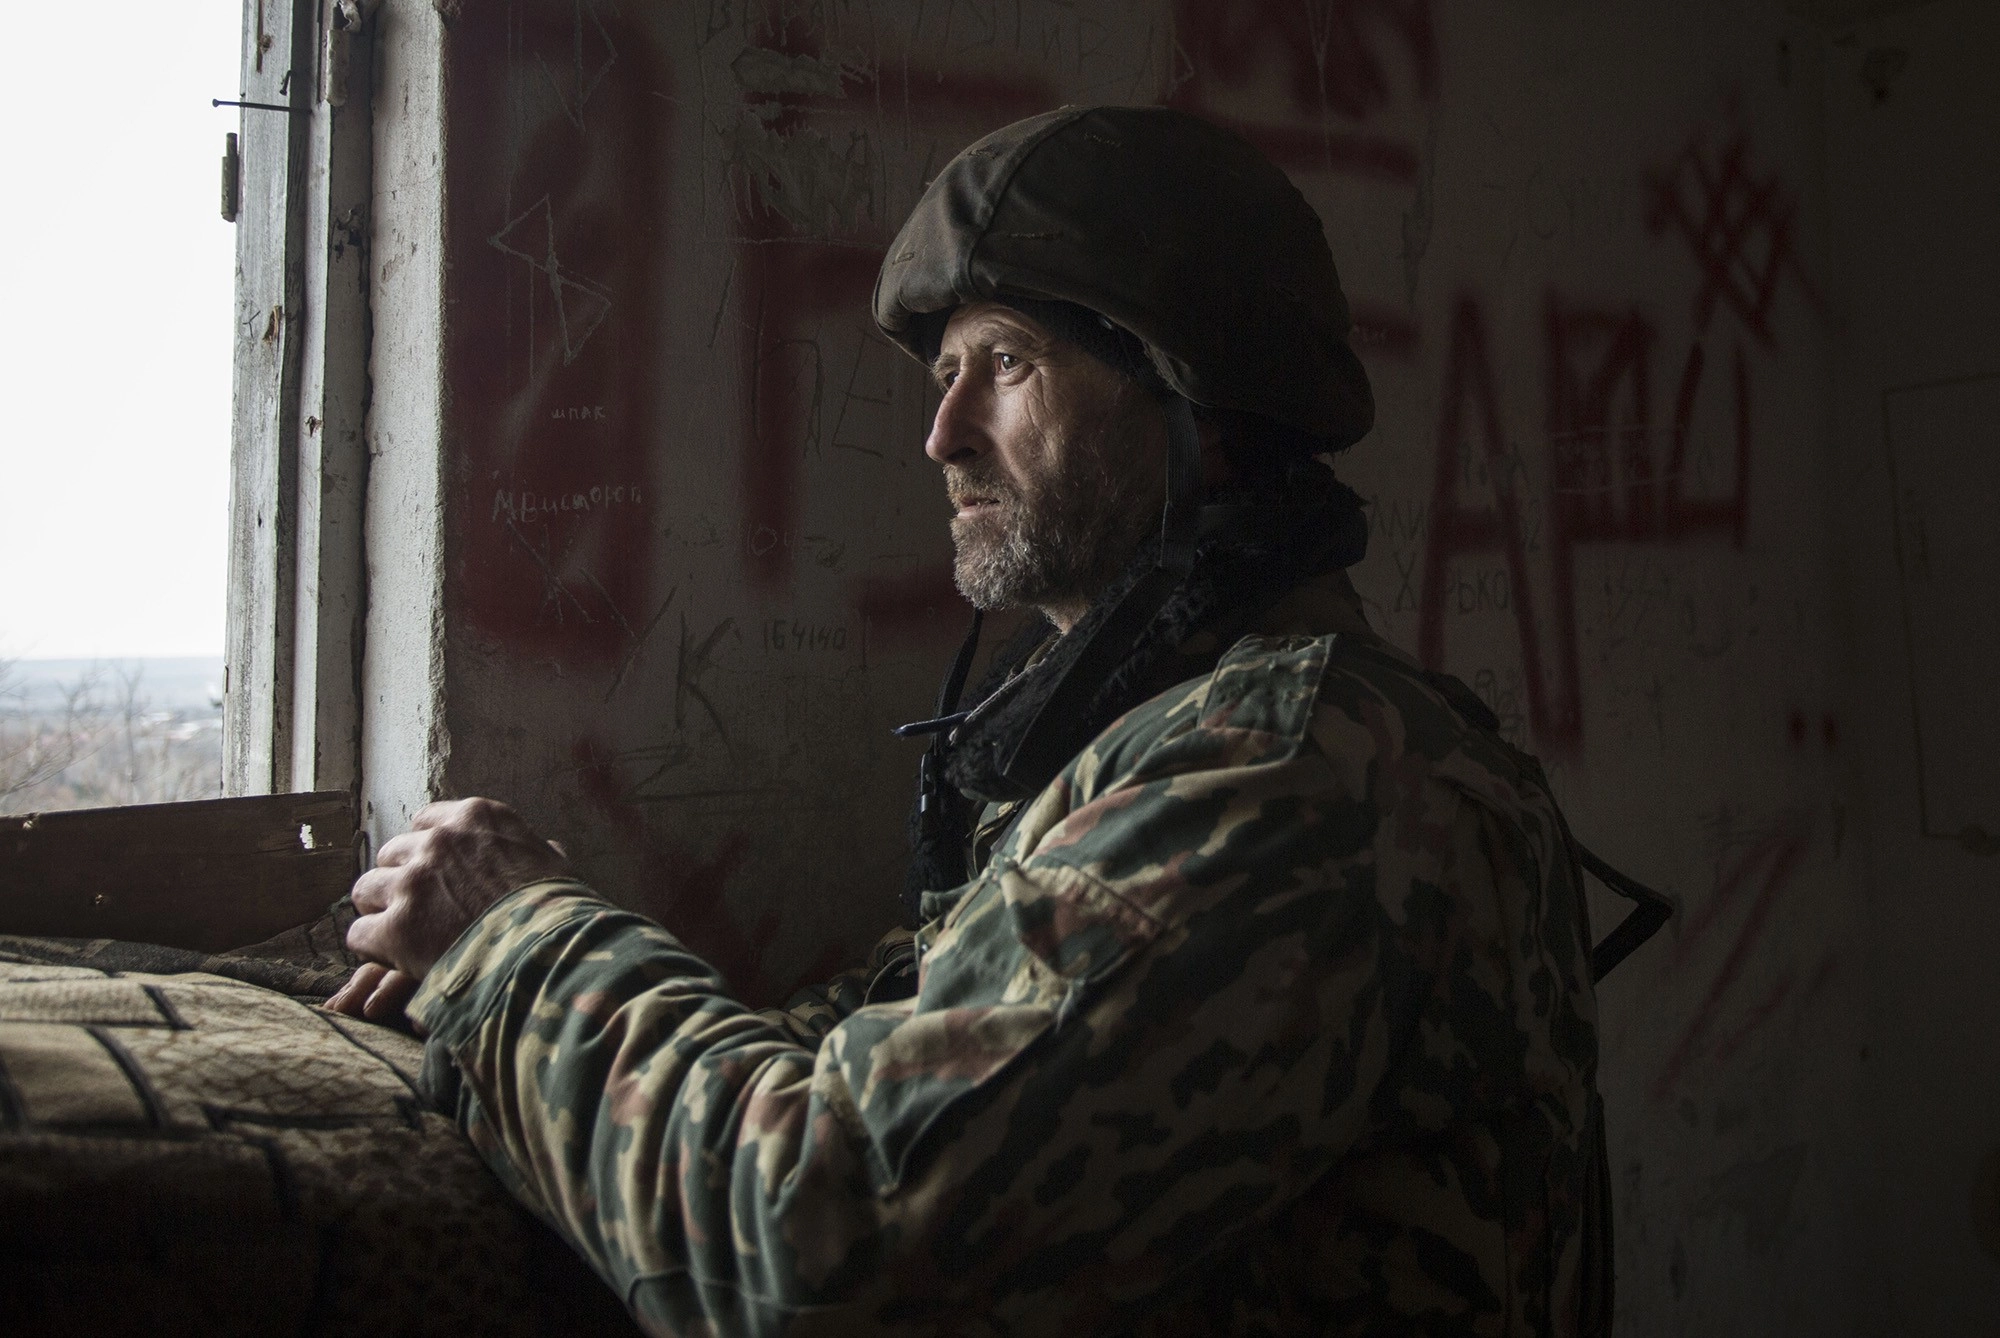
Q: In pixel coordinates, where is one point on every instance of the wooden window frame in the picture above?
(298, 458)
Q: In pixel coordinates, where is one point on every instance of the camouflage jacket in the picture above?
(1272, 1014)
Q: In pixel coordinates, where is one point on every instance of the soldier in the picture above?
(1252, 992)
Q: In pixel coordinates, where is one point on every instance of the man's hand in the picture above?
(457, 859)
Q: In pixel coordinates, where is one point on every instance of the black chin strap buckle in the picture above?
(944, 724)
(948, 717)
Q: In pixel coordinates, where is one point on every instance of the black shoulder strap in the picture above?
(1650, 909)
(1649, 913)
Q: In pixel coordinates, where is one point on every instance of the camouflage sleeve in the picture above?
(1164, 1010)
(814, 1011)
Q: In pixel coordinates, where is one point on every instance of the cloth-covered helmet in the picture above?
(1173, 228)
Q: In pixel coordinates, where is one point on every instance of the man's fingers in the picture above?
(371, 891)
(436, 814)
(475, 813)
(348, 998)
(369, 937)
(475, 810)
(392, 994)
(377, 993)
(401, 849)
(360, 987)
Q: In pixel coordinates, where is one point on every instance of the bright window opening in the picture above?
(115, 369)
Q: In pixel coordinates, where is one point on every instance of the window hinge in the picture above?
(232, 178)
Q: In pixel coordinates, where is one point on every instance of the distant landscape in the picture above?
(90, 733)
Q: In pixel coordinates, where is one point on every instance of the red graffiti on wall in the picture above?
(1604, 485)
(912, 600)
(552, 333)
(1759, 873)
(789, 291)
(1738, 224)
(1470, 422)
(802, 263)
(1607, 480)
(1328, 61)
(554, 256)
(687, 889)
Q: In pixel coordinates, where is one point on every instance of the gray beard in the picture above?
(1059, 541)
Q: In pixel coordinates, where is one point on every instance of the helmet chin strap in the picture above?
(1182, 519)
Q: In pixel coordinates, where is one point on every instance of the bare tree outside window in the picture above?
(90, 734)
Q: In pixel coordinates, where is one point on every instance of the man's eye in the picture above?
(944, 382)
(1008, 362)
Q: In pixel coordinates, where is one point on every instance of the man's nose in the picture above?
(958, 433)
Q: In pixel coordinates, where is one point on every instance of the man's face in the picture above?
(1056, 463)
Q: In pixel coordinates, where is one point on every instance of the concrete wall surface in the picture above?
(404, 749)
(1626, 482)
(1914, 188)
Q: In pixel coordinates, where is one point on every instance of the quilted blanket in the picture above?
(188, 1145)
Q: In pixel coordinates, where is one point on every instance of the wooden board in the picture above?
(211, 875)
